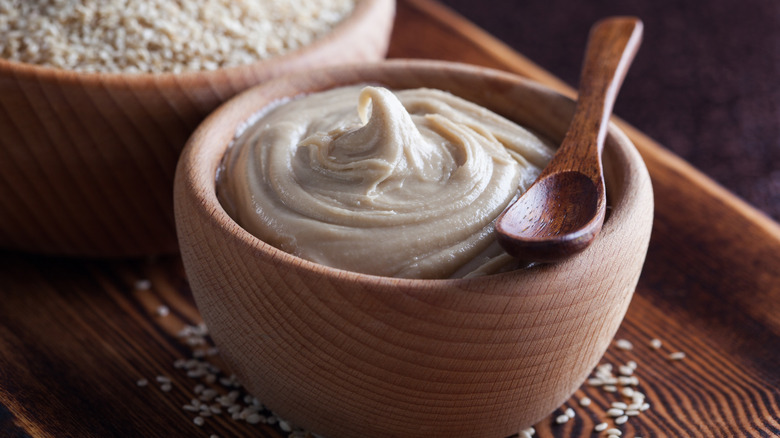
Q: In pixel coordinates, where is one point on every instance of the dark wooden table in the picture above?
(77, 336)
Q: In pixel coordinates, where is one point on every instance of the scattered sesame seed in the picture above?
(143, 284)
(142, 382)
(619, 405)
(570, 412)
(610, 388)
(678, 355)
(622, 419)
(285, 426)
(627, 392)
(585, 401)
(626, 370)
(560, 419)
(616, 432)
(632, 412)
(615, 412)
(166, 387)
(600, 427)
(198, 420)
(624, 344)
(595, 381)
(655, 343)
(163, 311)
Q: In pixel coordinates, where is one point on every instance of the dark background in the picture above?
(705, 83)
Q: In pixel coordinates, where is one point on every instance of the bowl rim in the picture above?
(212, 209)
(362, 11)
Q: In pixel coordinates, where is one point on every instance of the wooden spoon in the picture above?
(564, 209)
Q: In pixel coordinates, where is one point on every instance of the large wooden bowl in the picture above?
(87, 160)
(351, 355)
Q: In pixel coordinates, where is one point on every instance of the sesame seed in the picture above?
(622, 419)
(163, 311)
(610, 388)
(600, 427)
(198, 420)
(678, 355)
(585, 401)
(142, 382)
(560, 419)
(619, 405)
(615, 412)
(595, 381)
(570, 412)
(632, 412)
(143, 284)
(624, 344)
(655, 344)
(613, 431)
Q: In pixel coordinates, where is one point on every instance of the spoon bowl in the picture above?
(570, 218)
(563, 211)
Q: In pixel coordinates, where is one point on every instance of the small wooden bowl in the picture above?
(351, 355)
(87, 160)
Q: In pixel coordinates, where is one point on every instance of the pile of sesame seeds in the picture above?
(133, 36)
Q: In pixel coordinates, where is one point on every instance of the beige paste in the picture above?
(404, 184)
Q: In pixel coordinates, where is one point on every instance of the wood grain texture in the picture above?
(75, 335)
(351, 355)
(87, 160)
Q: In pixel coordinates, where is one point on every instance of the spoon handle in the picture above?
(612, 44)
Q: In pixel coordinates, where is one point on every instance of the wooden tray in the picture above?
(76, 336)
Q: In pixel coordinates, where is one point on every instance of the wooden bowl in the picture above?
(87, 160)
(344, 354)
